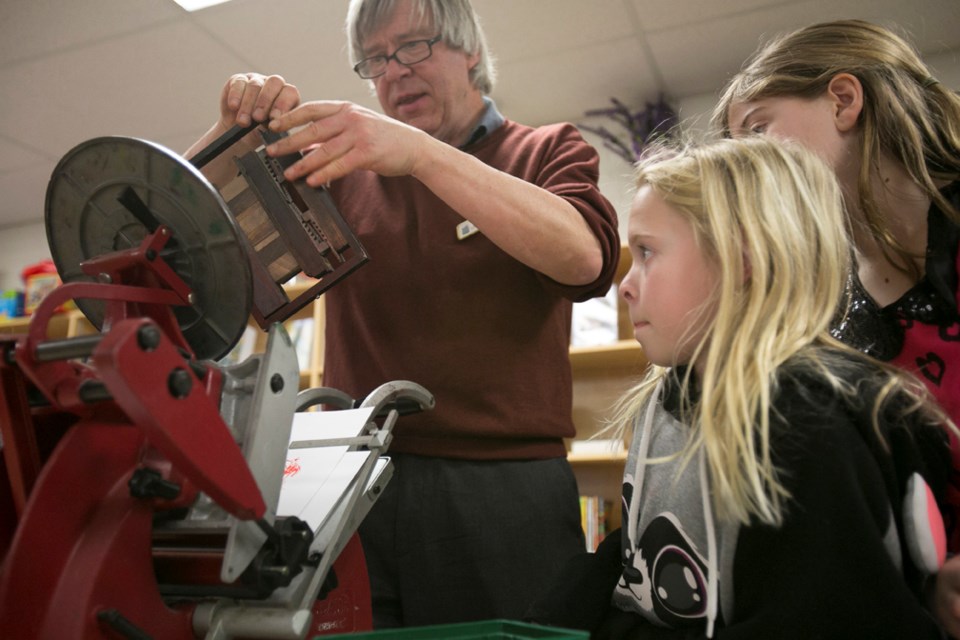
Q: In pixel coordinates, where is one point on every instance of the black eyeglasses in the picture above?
(408, 53)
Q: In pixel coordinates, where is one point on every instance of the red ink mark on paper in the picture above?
(292, 468)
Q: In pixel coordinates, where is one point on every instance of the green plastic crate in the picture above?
(486, 630)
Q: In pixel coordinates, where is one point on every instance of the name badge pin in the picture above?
(466, 229)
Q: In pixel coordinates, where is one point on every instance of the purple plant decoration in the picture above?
(651, 122)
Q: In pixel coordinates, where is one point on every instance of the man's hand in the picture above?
(244, 99)
(340, 137)
(250, 97)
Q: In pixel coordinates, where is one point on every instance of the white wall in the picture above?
(946, 68)
(616, 174)
(20, 247)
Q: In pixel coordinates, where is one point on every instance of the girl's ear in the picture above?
(846, 92)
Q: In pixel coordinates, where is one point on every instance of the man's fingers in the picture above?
(333, 170)
(318, 127)
(270, 90)
(235, 86)
(306, 113)
(289, 98)
(249, 98)
(323, 162)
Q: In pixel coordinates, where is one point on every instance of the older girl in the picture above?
(861, 97)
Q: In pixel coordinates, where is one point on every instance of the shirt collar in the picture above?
(880, 332)
(490, 121)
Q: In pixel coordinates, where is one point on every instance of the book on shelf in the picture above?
(594, 321)
(301, 335)
(598, 447)
(594, 517)
(244, 348)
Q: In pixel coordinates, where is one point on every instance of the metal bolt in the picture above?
(276, 383)
(148, 337)
(148, 483)
(105, 278)
(179, 383)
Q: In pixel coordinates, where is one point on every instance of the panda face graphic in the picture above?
(664, 574)
(681, 588)
(636, 579)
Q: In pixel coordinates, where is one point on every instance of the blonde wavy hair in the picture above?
(906, 112)
(769, 215)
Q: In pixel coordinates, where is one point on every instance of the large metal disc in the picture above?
(84, 220)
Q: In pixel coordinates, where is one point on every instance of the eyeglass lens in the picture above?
(407, 54)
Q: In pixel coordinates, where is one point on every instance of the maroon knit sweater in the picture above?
(487, 335)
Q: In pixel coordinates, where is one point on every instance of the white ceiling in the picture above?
(78, 69)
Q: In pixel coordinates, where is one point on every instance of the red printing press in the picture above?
(140, 479)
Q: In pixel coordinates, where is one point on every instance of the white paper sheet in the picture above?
(316, 478)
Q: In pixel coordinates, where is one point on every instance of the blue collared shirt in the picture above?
(490, 121)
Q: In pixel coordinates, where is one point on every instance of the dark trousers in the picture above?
(458, 541)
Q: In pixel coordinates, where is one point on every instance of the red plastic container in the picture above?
(38, 280)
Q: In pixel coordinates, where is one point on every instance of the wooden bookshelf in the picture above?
(59, 325)
(601, 375)
(624, 354)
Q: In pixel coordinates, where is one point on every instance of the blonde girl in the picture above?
(778, 483)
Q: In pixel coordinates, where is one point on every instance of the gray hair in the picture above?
(458, 24)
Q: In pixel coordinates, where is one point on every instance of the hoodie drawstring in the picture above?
(638, 475)
(711, 545)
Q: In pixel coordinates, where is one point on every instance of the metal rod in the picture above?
(139, 209)
(221, 144)
(92, 391)
(79, 347)
(122, 625)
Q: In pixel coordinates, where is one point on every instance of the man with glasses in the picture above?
(481, 233)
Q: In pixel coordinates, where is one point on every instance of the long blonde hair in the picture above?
(770, 216)
(906, 112)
